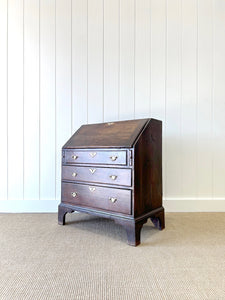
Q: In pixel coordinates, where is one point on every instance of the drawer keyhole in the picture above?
(113, 158)
(113, 177)
(92, 171)
(74, 157)
(113, 199)
(74, 174)
(92, 189)
(92, 154)
(73, 194)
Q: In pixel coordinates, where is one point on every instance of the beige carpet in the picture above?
(89, 259)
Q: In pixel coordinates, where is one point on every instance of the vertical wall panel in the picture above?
(3, 97)
(158, 55)
(204, 100)
(173, 98)
(189, 98)
(142, 59)
(63, 82)
(31, 99)
(95, 61)
(111, 59)
(127, 21)
(15, 99)
(79, 63)
(47, 100)
(219, 99)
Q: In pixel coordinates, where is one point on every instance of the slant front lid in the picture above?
(107, 135)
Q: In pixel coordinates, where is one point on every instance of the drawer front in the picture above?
(96, 157)
(98, 175)
(110, 199)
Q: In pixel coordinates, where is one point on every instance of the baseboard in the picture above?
(28, 206)
(194, 205)
(170, 205)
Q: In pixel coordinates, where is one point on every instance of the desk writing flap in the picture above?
(120, 134)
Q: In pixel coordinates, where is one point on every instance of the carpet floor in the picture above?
(88, 258)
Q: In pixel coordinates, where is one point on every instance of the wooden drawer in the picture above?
(105, 198)
(96, 157)
(98, 175)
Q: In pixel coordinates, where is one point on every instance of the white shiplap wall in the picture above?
(65, 63)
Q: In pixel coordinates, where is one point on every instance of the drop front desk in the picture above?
(114, 170)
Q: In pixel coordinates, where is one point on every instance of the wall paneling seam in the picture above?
(7, 104)
(213, 96)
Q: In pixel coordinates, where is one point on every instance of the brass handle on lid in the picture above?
(113, 177)
(91, 188)
(73, 194)
(112, 199)
(74, 157)
(113, 158)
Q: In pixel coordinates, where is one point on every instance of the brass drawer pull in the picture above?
(112, 199)
(92, 171)
(73, 194)
(92, 189)
(113, 158)
(113, 177)
(74, 157)
(74, 174)
(92, 154)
